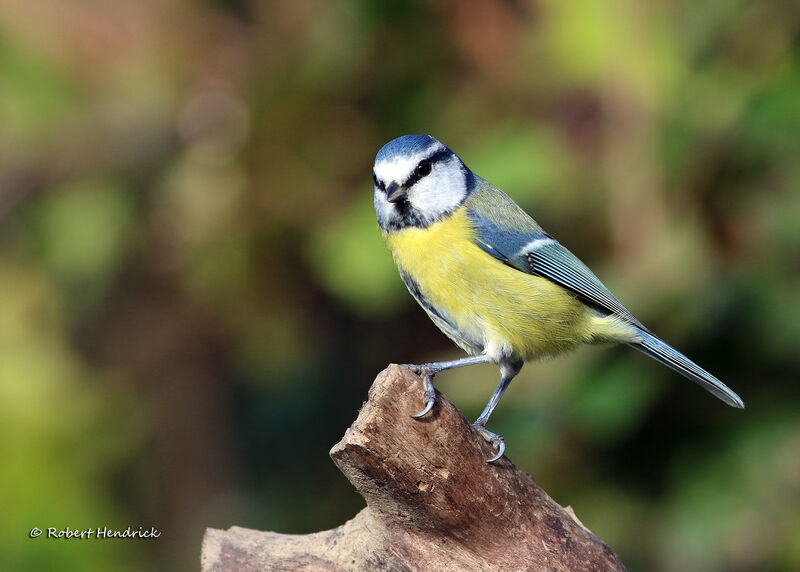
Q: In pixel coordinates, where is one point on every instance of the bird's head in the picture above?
(418, 180)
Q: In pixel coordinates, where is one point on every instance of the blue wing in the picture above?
(506, 232)
(533, 251)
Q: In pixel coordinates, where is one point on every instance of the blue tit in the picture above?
(492, 279)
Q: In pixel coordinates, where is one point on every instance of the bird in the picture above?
(488, 275)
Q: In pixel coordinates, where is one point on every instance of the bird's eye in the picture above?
(377, 182)
(423, 168)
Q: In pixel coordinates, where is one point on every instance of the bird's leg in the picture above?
(428, 370)
(507, 372)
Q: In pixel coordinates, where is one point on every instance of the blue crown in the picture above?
(404, 146)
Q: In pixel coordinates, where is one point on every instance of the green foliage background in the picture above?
(194, 297)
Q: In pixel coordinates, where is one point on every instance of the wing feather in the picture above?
(554, 262)
(529, 249)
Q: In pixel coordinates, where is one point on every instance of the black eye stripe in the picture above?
(416, 175)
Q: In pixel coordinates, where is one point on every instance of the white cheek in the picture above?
(440, 192)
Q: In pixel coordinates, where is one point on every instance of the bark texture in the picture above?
(433, 503)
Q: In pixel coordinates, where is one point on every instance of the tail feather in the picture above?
(672, 358)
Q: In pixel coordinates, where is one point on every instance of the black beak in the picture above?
(395, 193)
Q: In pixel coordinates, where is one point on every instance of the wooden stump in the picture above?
(433, 503)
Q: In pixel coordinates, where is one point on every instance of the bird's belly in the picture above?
(487, 305)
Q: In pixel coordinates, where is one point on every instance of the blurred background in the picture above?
(194, 296)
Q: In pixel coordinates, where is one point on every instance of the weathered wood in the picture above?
(433, 503)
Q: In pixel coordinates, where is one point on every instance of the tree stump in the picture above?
(433, 503)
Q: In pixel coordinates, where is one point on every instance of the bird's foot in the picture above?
(429, 397)
(413, 367)
(493, 438)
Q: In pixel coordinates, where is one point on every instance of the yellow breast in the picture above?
(506, 310)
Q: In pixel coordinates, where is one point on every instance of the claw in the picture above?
(429, 397)
(413, 367)
(428, 406)
(496, 441)
(501, 448)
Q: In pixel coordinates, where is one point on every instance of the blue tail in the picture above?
(671, 357)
